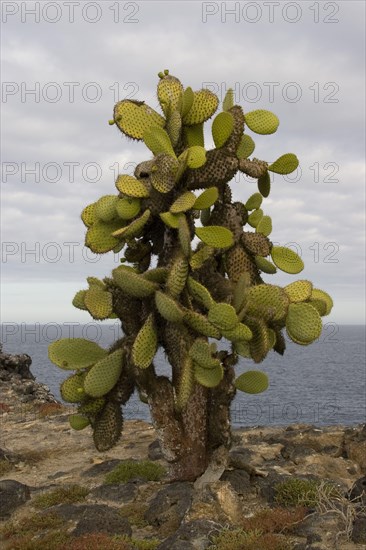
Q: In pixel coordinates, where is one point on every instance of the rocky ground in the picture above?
(54, 494)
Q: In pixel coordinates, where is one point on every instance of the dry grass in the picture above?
(274, 520)
(61, 495)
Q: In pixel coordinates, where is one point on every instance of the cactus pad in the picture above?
(186, 384)
(200, 353)
(265, 297)
(135, 228)
(183, 203)
(72, 389)
(165, 170)
(168, 308)
(264, 184)
(286, 259)
(203, 107)
(177, 277)
(285, 164)
(223, 316)
(256, 243)
(128, 207)
(78, 300)
(134, 117)
(171, 220)
(105, 208)
(303, 323)
(78, 421)
(317, 294)
(194, 135)
(246, 147)
(145, 345)
(199, 293)
(108, 427)
(187, 100)
(158, 141)
(206, 199)
(299, 291)
(201, 256)
(255, 217)
(264, 226)
(98, 302)
(75, 353)
(103, 376)
(209, 378)
(196, 156)
(252, 381)
(254, 201)
(215, 236)
(228, 100)
(265, 265)
(261, 121)
(128, 185)
(88, 216)
(201, 324)
(239, 333)
(99, 236)
(222, 127)
(184, 235)
(170, 92)
(132, 283)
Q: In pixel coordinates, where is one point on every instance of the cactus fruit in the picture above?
(192, 270)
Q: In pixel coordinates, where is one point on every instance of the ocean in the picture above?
(321, 384)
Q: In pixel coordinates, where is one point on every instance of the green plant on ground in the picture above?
(61, 495)
(130, 469)
(134, 512)
(303, 492)
(31, 524)
(193, 267)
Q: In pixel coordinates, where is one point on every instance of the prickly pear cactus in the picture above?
(192, 261)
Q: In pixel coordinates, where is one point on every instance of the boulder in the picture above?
(12, 495)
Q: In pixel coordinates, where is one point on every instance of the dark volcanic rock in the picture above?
(116, 492)
(102, 468)
(154, 451)
(191, 536)
(239, 480)
(16, 364)
(170, 504)
(12, 495)
(359, 530)
(94, 518)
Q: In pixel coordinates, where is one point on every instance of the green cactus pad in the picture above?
(168, 308)
(261, 121)
(201, 324)
(174, 127)
(200, 353)
(199, 293)
(265, 265)
(128, 185)
(164, 173)
(145, 345)
(108, 427)
(285, 164)
(99, 236)
(88, 216)
(177, 277)
(158, 141)
(264, 226)
(134, 117)
(132, 283)
(264, 184)
(203, 107)
(196, 156)
(187, 101)
(98, 302)
(303, 323)
(186, 384)
(223, 316)
(194, 136)
(209, 378)
(242, 348)
(183, 203)
(255, 217)
(105, 208)
(317, 294)
(260, 344)
(239, 333)
(128, 207)
(92, 406)
(134, 228)
(287, 260)
(157, 275)
(201, 256)
(171, 220)
(78, 300)
(299, 291)
(252, 381)
(222, 128)
(170, 92)
(103, 376)
(240, 289)
(72, 389)
(75, 353)
(267, 297)
(184, 235)
(215, 236)
(206, 199)
(94, 281)
(256, 243)
(228, 100)
(78, 421)
(254, 202)
(246, 147)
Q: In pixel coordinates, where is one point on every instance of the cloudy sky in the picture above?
(64, 66)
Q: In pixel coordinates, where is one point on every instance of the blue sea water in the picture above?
(320, 384)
